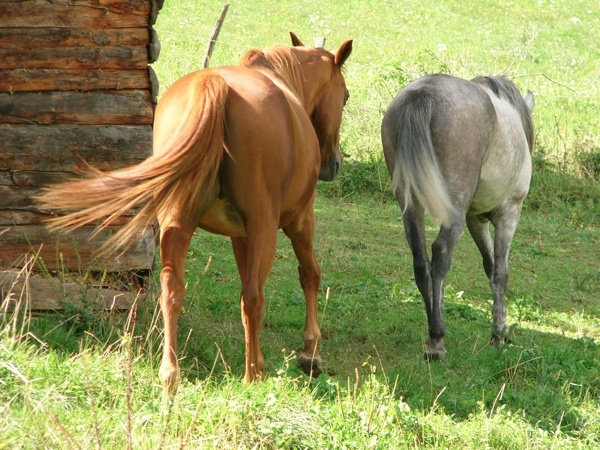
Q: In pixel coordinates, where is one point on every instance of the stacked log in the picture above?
(76, 88)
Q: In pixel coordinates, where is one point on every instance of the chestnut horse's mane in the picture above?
(286, 62)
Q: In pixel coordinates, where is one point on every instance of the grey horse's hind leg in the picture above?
(414, 229)
(441, 259)
(505, 223)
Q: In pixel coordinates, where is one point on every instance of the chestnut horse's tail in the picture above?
(175, 175)
(417, 170)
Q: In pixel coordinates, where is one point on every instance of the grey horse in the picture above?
(461, 151)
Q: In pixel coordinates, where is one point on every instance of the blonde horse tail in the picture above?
(417, 172)
(188, 161)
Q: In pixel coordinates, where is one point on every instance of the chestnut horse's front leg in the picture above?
(174, 243)
(300, 233)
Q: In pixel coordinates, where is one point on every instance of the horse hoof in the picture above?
(498, 341)
(169, 378)
(501, 337)
(435, 350)
(313, 367)
(437, 355)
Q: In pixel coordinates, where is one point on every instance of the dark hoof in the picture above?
(497, 341)
(500, 342)
(313, 367)
(505, 336)
(435, 350)
(438, 355)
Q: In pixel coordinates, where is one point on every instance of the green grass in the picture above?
(84, 379)
(90, 378)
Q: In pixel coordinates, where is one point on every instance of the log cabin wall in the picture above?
(75, 86)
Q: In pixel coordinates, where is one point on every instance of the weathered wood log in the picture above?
(128, 57)
(153, 47)
(64, 148)
(155, 7)
(69, 107)
(73, 251)
(75, 13)
(6, 178)
(154, 85)
(11, 217)
(18, 190)
(32, 178)
(46, 38)
(18, 80)
(23, 198)
(37, 293)
(12, 197)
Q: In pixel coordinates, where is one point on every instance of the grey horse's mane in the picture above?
(504, 88)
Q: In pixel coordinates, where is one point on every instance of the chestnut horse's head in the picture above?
(325, 95)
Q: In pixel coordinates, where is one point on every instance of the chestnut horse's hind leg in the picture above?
(301, 234)
(254, 256)
(174, 243)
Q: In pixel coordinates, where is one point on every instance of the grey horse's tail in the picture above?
(417, 171)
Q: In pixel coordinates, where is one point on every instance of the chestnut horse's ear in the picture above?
(295, 41)
(343, 52)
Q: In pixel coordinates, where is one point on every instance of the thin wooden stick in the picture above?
(547, 78)
(214, 36)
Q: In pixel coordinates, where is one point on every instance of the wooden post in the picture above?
(214, 36)
(320, 42)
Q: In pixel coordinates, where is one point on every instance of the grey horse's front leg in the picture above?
(505, 224)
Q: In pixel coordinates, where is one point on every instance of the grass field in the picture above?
(89, 380)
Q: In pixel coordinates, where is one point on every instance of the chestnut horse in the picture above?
(237, 151)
